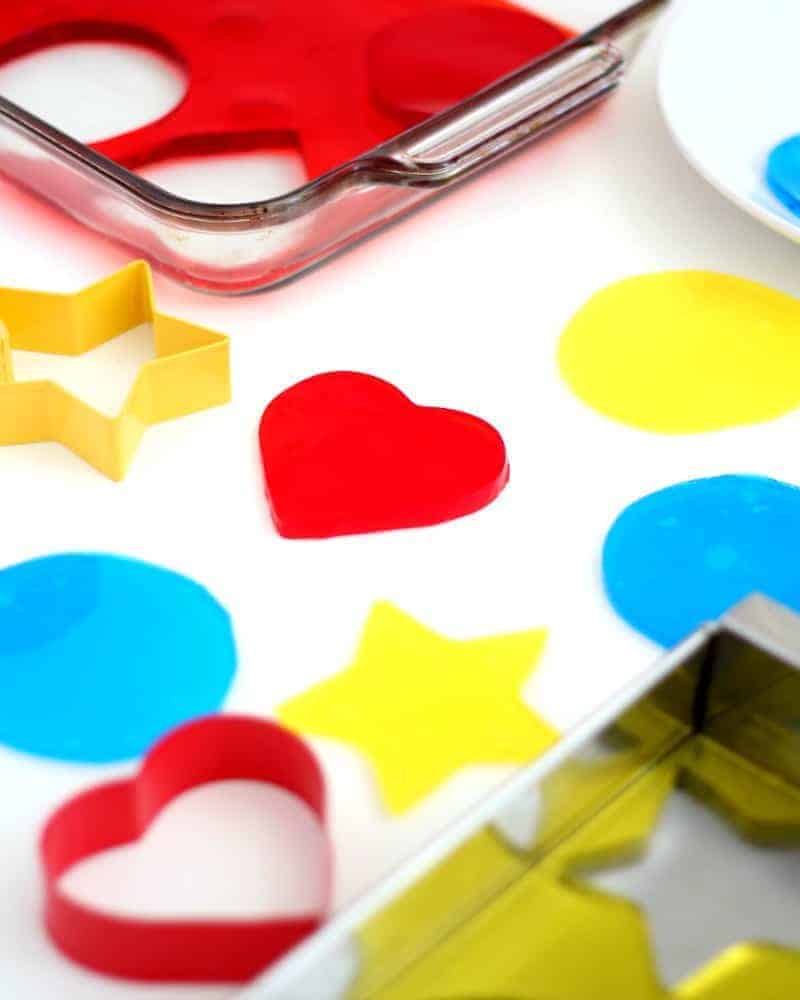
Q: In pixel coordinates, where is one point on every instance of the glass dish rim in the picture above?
(387, 163)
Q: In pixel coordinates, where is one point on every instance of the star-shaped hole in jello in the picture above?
(703, 888)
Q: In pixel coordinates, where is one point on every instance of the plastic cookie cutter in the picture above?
(215, 748)
(502, 904)
(191, 370)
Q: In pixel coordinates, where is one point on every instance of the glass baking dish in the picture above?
(235, 248)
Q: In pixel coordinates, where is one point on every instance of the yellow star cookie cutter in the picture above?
(190, 372)
(421, 706)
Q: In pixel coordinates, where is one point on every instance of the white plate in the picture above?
(730, 90)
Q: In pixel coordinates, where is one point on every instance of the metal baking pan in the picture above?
(245, 247)
(506, 903)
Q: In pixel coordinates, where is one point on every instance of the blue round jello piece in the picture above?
(783, 173)
(102, 655)
(686, 554)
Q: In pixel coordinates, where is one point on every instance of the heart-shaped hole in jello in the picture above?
(209, 864)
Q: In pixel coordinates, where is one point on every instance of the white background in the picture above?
(461, 306)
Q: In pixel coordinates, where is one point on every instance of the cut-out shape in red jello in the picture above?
(346, 453)
(211, 749)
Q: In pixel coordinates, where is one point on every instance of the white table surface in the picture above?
(461, 306)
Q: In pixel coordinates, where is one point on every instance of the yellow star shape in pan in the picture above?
(530, 924)
(190, 371)
(421, 707)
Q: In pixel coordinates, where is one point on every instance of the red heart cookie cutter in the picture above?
(217, 748)
(346, 453)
